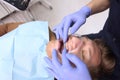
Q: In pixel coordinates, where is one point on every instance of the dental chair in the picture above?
(45, 3)
(26, 5)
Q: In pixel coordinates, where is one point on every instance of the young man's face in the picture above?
(83, 47)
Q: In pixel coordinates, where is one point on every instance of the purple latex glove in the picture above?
(74, 21)
(66, 71)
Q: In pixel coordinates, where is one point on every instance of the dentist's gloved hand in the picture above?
(64, 70)
(74, 21)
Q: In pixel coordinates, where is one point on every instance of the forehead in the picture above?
(95, 54)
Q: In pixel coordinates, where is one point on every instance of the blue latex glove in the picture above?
(74, 21)
(66, 71)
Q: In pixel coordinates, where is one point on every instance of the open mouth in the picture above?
(60, 45)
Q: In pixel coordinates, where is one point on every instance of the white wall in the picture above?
(94, 23)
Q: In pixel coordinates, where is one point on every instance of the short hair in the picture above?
(107, 60)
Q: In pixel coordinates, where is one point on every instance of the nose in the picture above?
(74, 43)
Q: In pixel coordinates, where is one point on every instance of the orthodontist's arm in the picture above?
(97, 6)
(78, 18)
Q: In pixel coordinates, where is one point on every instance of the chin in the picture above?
(49, 50)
